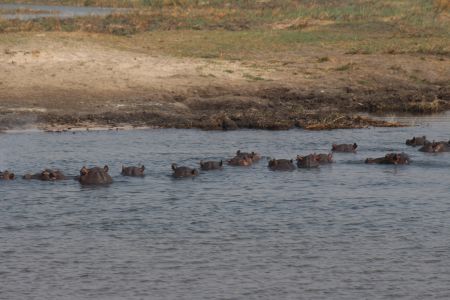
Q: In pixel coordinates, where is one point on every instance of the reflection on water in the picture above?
(29, 11)
(346, 231)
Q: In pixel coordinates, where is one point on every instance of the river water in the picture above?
(345, 231)
(59, 11)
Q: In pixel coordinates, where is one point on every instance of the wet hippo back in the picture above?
(345, 148)
(46, 175)
(183, 172)
(240, 161)
(417, 141)
(390, 159)
(211, 165)
(281, 165)
(6, 175)
(309, 161)
(94, 176)
(133, 171)
(324, 158)
(435, 147)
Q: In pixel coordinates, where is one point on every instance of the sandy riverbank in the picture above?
(60, 80)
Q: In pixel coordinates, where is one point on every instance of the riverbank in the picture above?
(314, 67)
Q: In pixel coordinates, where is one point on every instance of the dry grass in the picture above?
(242, 29)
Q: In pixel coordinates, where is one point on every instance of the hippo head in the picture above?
(6, 175)
(133, 171)
(49, 175)
(253, 155)
(180, 172)
(95, 175)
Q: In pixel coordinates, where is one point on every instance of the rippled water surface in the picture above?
(60, 11)
(346, 231)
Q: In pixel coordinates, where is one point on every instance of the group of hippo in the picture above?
(97, 175)
(91, 176)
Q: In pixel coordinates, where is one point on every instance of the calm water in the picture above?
(55, 11)
(347, 231)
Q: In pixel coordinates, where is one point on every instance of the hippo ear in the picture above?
(291, 160)
(12, 176)
(355, 146)
(174, 166)
(83, 171)
(221, 163)
(238, 152)
(123, 168)
(106, 168)
(201, 163)
(194, 171)
(143, 168)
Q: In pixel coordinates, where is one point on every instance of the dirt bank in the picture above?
(58, 80)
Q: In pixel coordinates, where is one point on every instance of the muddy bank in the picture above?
(267, 108)
(56, 81)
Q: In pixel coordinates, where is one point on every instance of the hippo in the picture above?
(240, 161)
(46, 175)
(417, 141)
(281, 165)
(436, 147)
(307, 162)
(390, 159)
(94, 176)
(6, 175)
(183, 172)
(253, 155)
(324, 158)
(211, 165)
(347, 148)
(133, 171)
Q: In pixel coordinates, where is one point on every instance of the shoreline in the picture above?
(57, 80)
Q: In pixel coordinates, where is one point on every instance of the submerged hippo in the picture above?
(417, 141)
(239, 160)
(308, 161)
(253, 155)
(281, 165)
(324, 158)
(46, 175)
(182, 172)
(390, 159)
(133, 171)
(436, 147)
(211, 165)
(94, 176)
(6, 175)
(347, 148)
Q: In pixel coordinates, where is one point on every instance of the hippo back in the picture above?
(94, 176)
(211, 165)
(240, 161)
(309, 161)
(281, 165)
(46, 175)
(417, 141)
(133, 171)
(348, 148)
(324, 158)
(183, 172)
